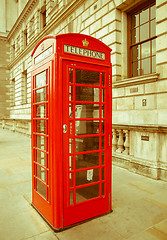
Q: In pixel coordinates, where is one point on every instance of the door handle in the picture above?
(64, 128)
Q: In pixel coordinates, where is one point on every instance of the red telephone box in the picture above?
(71, 129)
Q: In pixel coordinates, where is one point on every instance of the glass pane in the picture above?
(135, 35)
(41, 79)
(41, 126)
(41, 95)
(103, 79)
(103, 190)
(71, 75)
(103, 111)
(135, 53)
(87, 77)
(87, 160)
(87, 111)
(41, 173)
(153, 11)
(41, 142)
(71, 93)
(86, 144)
(41, 158)
(86, 193)
(135, 69)
(71, 198)
(135, 20)
(154, 64)
(102, 126)
(86, 127)
(41, 188)
(41, 111)
(145, 50)
(88, 176)
(103, 95)
(87, 94)
(145, 66)
(71, 110)
(103, 173)
(153, 28)
(102, 158)
(144, 15)
(71, 145)
(154, 47)
(70, 163)
(144, 32)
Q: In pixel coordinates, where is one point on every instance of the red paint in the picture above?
(71, 162)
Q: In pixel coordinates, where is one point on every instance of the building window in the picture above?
(142, 27)
(25, 37)
(43, 16)
(24, 87)
(13, 92)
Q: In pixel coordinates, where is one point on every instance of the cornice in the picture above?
(141, 128)
(22, 16)
(51, 24)
(136, 80)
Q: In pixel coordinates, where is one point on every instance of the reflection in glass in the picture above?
(88, 176)
(71, 110)
(41, 111)
(41, 79)
(103, 173)
(87, 160)
(87, 77)
(86, 127)
(87, 111)
(41, 95)
(41, 158)
(41, 188)
(86, 144)
(70, 93)
(70, 145)
(41, 126)
(41, 173)
(87, 94)
(86, 193)
(41, 142)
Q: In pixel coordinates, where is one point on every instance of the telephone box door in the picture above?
(86, 141)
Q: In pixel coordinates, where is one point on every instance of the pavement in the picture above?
(139, 203)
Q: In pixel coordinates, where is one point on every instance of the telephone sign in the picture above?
(71, 129)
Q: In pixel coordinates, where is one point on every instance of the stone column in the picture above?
(114, 140)
(120, 142)
(126, 143)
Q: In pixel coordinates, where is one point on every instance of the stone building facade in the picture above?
(136, 32)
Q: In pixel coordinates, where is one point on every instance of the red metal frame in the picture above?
(58, 182)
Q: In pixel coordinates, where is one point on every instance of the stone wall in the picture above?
(4, 78)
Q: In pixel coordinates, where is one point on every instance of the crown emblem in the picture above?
(85, 43)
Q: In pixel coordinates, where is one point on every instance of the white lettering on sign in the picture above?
(84, 52)
(44, 54)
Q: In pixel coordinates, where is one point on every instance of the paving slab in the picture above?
(139, 203)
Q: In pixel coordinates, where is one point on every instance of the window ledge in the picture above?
(136, 80)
